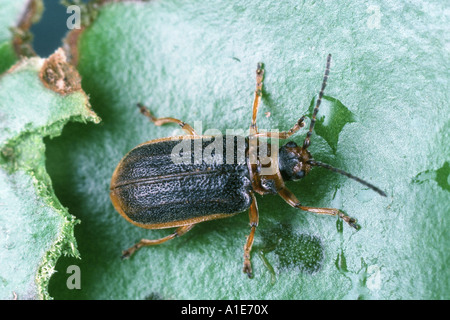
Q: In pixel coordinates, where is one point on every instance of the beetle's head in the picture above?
(293, 161)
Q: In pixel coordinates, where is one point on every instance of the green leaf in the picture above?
(35, 228)
(387, 99)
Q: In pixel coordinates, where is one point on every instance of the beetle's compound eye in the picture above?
(299, 174)
(259, 67)
(291, 144)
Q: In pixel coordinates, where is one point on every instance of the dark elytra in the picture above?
(154, 190)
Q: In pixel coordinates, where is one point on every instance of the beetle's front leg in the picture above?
(292, 200)
(160, 121)
(146, 242)
(254, 218)
(258, 95)
(284, 134)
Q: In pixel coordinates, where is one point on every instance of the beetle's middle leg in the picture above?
(254, 218)
(160, 121)
(146, 242)
(292, 200)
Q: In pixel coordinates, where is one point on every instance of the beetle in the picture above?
(151, 190)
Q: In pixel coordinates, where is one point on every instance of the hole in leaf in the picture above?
(331, 119)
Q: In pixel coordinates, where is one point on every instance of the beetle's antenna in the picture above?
(316, 108)
(329, 167)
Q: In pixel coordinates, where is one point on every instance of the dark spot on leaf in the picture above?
(153, 296)
(340, 225)
(300, 252)
(7, 152)
(341, 262)
(441, 176)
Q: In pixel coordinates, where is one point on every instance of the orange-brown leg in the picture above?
(284, 134)
(160, 121)
(253, 141)
(258, 95)
(254, 218)
(145, 242)
(292, 200)
(256, 102)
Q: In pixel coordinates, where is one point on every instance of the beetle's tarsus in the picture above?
(248, 269)
(143, 109)
(125, 255)
(128, 253)
(354, 224)
(259, 67)
(350, 221)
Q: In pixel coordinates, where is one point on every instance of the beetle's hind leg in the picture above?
(145, 242)
(254, 217)
(160, 121)
(292, 200)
